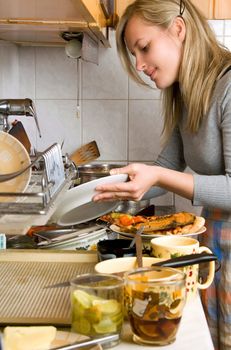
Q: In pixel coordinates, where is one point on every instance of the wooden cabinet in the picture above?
(222, 9)
(43, 21)
(121, 6)
(212, 9)
(206, 7)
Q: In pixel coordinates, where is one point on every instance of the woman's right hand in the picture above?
(141, 177)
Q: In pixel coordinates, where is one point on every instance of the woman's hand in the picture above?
(141, 177)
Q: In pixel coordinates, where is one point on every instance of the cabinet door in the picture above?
(121, 6)
(222, 9)
(206, 7)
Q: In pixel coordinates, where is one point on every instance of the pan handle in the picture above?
(187, 260)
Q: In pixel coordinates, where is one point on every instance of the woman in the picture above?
(172, 43)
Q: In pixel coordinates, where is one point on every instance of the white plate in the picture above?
(77, 206)
(116, 229)
(13, 157)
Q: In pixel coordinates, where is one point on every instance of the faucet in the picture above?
(17, 107)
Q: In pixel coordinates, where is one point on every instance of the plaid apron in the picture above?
(217, 298)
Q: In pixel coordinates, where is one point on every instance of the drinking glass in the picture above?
(97, 305)
(154, 299)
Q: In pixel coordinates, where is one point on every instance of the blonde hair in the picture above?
(204, 60)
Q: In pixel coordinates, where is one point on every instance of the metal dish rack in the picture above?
(51, 176)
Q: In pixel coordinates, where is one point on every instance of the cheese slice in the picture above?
(28, 338)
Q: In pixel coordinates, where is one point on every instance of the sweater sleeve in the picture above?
(214, 191)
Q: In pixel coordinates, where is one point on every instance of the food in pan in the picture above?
(178, 223)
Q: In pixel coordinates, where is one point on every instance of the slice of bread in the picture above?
(28, 338)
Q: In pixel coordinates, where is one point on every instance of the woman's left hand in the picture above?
(141, 176)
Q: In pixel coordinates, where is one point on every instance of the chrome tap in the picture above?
(17, 107)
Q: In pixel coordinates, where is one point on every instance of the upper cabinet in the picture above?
(43, 21)
(212, 9)
(121, 6)
(206, 7)
(222, 9)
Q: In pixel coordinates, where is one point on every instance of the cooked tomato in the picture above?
(126, 220)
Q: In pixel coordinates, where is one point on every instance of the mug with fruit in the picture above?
(155, 298)
(97, 305)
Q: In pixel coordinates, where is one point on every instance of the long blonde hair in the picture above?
(204, 60)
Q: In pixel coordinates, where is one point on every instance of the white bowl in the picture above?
(121, 265)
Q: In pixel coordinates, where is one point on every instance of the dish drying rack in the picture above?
(51, 176)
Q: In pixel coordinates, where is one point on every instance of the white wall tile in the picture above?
(217, 26)
(106, 122)
(166, 199)
(145, 126)
(107, 80)
(58, 122)
(227, 42)
(137, 91)
(56, 74)
(9, 70)
(227, 24)
(26, 56)
(183, 204)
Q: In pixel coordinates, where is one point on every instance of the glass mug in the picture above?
(97, 305)
(154, 299)
(174, 246)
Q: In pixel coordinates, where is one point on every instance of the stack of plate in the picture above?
(72, 239)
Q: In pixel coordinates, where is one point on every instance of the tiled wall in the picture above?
(123, 118)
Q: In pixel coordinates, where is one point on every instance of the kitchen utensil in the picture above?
(76, 205)
(17, 107)
(17, 130)
(138, 242)
(23, 275)
(186, 260)
(82, 344)
(85, 153)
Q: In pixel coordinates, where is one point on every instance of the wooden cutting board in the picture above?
(23, 276)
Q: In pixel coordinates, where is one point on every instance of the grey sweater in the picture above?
(207, 153)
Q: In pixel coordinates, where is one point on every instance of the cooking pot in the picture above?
(89, 172)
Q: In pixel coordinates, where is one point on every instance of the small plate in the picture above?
(77, 206)
(116, 229)
(13, 157)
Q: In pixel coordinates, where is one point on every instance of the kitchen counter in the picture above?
(193, 332)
